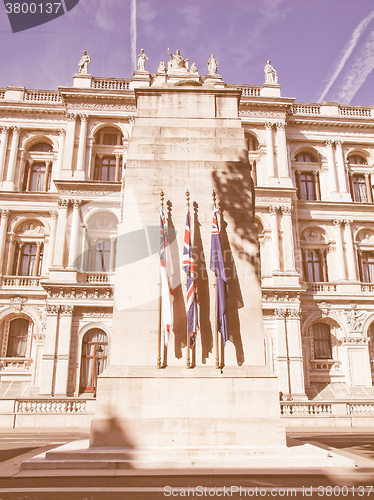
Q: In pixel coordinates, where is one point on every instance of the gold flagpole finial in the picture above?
(214, 199)
(188, 198)
(162, 195)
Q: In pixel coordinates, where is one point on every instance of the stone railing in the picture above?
(42, 96)
(307, 408)
(367, 288)
(355, 111)
(321, 287)
(97, 277)
(306, 109)
(360, 409)
(20, 281)
(111, 83)
(66, 406)
(16, 363)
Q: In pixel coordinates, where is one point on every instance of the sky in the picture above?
(321, 49)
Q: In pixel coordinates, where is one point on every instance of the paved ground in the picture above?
(16, 446)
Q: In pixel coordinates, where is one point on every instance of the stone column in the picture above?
(63, 350)
(19, 260)
(74, 234)
(9, 183)
(283, 356)
(37, 258)
(11, 252)
(3, 149)
(60, 155)
(3, 230)
(339, 264)
(67, 161)
(350, 251)
(317, 186)
(295, 354)
(288, 240)
(368, 188)
(58, 257)
(113, 240)
(274, 238)
(91, 164)
(270, 150)
(331, 168)
(82, 143)
(118, 168)
(47, 380)
(342, 176)
(283, 168)
(52, 238)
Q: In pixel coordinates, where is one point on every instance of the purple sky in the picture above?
(322, 49)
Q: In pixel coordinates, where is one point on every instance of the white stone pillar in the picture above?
(342, 176)
(47, 380)
(52, 239)
(274, 238)
(11, 252)
(283, 356)
(339, 264)
(295, 354)
(58, 256)
(270, 152)
(82, 143)
(74, 234)
(331, 167)
(60, 155)
(288, 240)
(350, 251)
(3, 149)
(283, 168)
(9, 183)
(63, 350)
(3, 231)
(113, 241)
(91, 165)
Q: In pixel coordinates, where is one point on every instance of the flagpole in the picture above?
(215, 300)
(188, 361)
(160, 302)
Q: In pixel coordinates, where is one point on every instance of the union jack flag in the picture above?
(166, 272)
(189, 267)
(218, 267)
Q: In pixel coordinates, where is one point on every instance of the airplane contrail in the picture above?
(347, 52)
(133, 33)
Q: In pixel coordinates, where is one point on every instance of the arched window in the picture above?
(101, 243)
(306, 157)
(322, 341)
(252, 142)
(93, 360)
(17, 338)
(107, 158)
(357, 160)
(38, 168)
(359, 179)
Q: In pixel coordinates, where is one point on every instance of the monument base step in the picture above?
(79, 455)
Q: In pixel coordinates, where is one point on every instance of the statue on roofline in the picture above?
(142, 59)
(83, 63)
(177, 61)
(212, 65)
(270, 73)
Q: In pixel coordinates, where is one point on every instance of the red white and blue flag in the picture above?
(218, 267)
(189, 267)
(166, 272)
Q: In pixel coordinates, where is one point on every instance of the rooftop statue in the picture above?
(270, 74)
(83, 63)
(142, 59)
(193, 68)
(161, 67)
(212, 65)
(177, 61)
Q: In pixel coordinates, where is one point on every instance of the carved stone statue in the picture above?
(270, 73)
(212, 65)
(142, 59)
(161, 67)
(83, 63)
(177, 61)
(193, 68)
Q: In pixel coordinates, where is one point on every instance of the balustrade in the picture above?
(111, 84)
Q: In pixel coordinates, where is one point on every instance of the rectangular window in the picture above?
(17, 339)
(110, 139)
(322, 341)
(313, 265)
(308, 188)
(102, 256)
(359, 188)
(367, 261)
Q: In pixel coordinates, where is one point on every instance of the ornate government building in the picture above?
(62, 173)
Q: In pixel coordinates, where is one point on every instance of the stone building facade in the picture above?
(62, 174)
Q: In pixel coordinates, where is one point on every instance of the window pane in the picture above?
(322, 341)
(38, 173)
(102, 256)
(28, 259)
(43, 147)
(313, 266)
(359, 187)
(368, 266)
(308, 191)
(305, 157)
(17, 339)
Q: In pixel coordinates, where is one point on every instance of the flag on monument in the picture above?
(166, 271)
(189, 267)
(218, 267)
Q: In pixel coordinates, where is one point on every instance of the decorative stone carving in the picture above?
(355, 319)
(63, 203)
(142, 59)
(66, 310)
(212, 65)
(18, 302)
(271, 76)
(354, 340)
(177, 62)
(52, 309)
(324, 307)
(83, 63)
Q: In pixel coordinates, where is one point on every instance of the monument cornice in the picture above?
(327, 123)
(88, 188)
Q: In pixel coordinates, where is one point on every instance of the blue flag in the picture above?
(218, 267)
